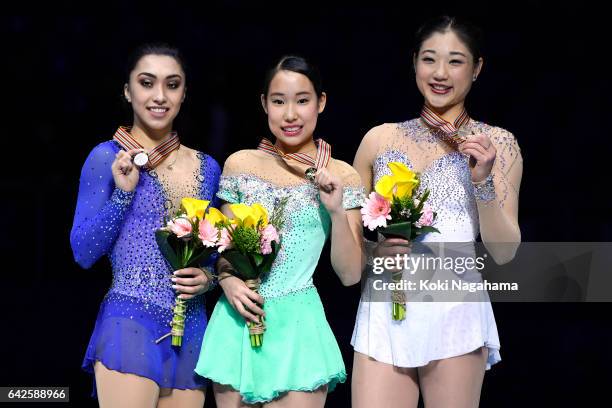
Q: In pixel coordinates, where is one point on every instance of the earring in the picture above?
(128, 100)
(474, 80)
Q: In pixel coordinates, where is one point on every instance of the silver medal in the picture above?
(141, 159)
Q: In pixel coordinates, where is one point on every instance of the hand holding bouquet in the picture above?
(250, 243)
(393, 210)
(188, 239)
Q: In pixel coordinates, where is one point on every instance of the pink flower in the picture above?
(427, 217)
(225, 242)
(375, 212)
(181, 227)
(208, 233)
(268, 235)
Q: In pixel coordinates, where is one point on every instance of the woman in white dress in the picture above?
(441, 349)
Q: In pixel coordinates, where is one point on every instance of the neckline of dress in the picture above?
(263, 180)
(426, 168)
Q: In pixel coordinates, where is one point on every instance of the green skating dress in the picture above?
(299, 351)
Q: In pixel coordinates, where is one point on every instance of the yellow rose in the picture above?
(194, 207)
(400, 183)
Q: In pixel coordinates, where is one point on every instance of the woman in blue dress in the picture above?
(123, 199)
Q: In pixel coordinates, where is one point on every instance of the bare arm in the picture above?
(499, 226)
(364, 164)
(347, 253)
(497, 193)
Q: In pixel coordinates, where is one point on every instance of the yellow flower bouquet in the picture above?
(250, 243)
(188, 240)
(394, 211)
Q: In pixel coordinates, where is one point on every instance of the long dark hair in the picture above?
(153, 49)
(297, 64)
(467, 32)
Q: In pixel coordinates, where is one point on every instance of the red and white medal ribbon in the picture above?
(155, 156)
(320, 161)
(449, 131)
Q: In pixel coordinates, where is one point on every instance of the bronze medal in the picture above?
(141, 159)
(310, 173)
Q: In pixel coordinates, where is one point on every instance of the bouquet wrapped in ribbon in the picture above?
(394, 211)
(250, 243)
(188, 239)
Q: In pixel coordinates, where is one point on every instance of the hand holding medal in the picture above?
(478, 147)
(460, 137)
(330, 190)
(141, 159)
(125, 172)
(139, 156)
(311, 174)
(482, 154)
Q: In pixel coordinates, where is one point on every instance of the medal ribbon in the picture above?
(156, 155)
(448, 130)
(322, 159)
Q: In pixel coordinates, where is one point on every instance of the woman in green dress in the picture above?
(299, 361)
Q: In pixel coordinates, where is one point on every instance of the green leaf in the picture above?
(426, 230)
(401, 229)
(276, 246)
(164, 239)
(258, 258)
(243, 267)
(267, 264)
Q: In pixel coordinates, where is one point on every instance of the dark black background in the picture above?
(545, 79)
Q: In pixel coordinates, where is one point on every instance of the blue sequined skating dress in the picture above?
(138, 306)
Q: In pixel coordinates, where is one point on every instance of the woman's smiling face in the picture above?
(293, 107)
(445, 70)
(156, 91)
